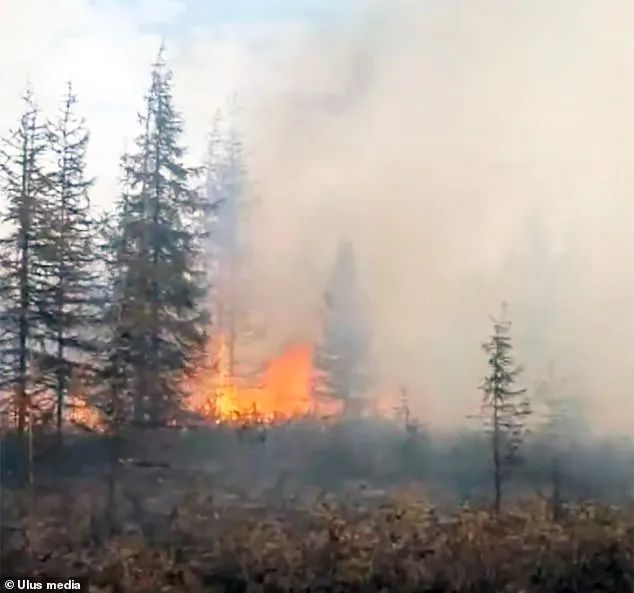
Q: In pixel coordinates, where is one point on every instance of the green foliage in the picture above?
(159, 321)
(504, 408)
(504, 404)
(26, 185)
(69, 303)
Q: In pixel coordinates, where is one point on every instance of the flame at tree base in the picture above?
(285, 391)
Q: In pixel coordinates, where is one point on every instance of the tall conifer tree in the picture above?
(69, 256)
(160, 316)
(25, 185)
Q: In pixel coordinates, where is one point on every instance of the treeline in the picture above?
(115, 302)
(118, 303)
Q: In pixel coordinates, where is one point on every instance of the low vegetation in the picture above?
(209, 541)
(361, 507)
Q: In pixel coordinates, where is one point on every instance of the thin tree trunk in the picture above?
(61, 387)
(497, 470)
(30, 470)
(61, 381)
(25, 230)
(23, 331)
(114, 451)
(61, 289)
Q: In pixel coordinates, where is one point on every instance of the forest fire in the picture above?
(284, 391)
(80, 413)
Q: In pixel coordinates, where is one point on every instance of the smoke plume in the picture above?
(474, 153)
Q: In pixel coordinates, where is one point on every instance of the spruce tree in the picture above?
(114, 394)
(25, 185)
(504, 407)
(342, 357)
(69, 299)
(160, 319)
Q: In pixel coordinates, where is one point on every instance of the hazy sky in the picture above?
(474, 150)
(106, 46)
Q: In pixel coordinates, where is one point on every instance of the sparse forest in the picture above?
(142, 448)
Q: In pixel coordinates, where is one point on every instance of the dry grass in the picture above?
(218, 544)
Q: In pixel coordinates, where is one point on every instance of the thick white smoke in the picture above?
(474, 153)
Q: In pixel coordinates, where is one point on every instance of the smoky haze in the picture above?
(474, 153)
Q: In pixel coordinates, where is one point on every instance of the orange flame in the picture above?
(81, 413)
(284, 393)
